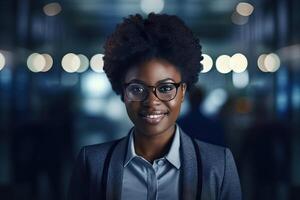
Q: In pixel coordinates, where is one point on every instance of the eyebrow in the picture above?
(158, 82)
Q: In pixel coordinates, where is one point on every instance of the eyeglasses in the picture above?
(140, 92)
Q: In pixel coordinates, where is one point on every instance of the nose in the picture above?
(151, 99)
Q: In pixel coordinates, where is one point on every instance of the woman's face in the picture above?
(153, 117)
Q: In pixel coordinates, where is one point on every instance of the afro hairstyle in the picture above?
(160, 36)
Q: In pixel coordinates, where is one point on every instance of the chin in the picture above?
(153, 129)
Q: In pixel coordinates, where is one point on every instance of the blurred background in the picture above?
(55, 98)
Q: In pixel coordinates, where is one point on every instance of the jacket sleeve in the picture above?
(78, 186)
(230, 188)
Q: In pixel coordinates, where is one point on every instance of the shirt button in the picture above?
(161, 162)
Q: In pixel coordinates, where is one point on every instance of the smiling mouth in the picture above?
(153, 119)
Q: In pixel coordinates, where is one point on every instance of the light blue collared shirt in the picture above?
(158, 181)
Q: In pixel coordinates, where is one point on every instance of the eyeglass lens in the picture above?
(139, 92)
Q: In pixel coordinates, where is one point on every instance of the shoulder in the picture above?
(209, 153)
(98, 151)
(214, 155)
(219, 170)
(99, 147)
(211, 149)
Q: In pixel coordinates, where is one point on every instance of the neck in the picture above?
(153, 147)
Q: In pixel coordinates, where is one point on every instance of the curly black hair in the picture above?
(160, 36)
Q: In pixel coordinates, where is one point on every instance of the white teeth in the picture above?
(154, 116)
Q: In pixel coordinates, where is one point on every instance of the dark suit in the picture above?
(219, 175)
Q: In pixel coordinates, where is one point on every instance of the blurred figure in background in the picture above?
(266, 157)
(198, 125)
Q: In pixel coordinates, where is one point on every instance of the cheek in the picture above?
(175, 106)
(132, 109)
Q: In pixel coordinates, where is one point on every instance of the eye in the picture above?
(136, 89)
(165, 88)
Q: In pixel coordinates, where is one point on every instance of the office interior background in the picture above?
(55, 98)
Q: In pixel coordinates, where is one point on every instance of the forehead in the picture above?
(153, 71)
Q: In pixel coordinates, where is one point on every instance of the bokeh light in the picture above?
(70, 62)
(244, 9)
(243, 105)
(52, 9)
(290, 53)
(207, 63)
(114, 108)
(272, 62)
(238, 63)
(240, 80)
(48, 63)
(238, 19)
(261, 62)
(97, 63)
(84, 63)
(95, 85)
(36, 62)
(214, 101)
(94, 106)
(223, 64)
(149, 6)
(2, 61)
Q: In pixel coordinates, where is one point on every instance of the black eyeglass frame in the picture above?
(177, 85)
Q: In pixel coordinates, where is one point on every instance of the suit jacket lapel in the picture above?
(188, 164)
(189, 167)
(115, 171)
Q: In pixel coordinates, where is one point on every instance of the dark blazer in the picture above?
(220, 179)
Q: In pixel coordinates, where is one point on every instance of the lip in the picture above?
(153, 117)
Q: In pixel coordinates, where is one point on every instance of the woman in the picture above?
(151, 63)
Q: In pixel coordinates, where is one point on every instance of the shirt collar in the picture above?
(173, 156)
(130, 149)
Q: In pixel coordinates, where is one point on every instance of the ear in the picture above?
(183, 89)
